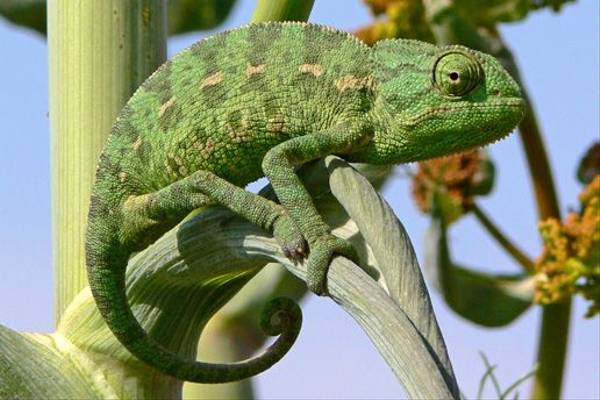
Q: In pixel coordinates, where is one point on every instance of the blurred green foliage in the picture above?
(28, 13)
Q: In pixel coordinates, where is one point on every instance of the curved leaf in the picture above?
(488, 300)
(216, 248)
(31, 367)
(394, 256)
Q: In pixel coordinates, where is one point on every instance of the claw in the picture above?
(296, 251)
(293, 245)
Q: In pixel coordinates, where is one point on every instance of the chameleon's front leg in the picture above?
(203, 188)
(278, 166)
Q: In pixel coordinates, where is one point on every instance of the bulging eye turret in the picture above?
(456, 73)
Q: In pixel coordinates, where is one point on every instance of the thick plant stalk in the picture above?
(99, 52)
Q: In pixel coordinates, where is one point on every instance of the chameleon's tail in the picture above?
(280, 317)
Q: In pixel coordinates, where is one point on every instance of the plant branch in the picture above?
(554, 331)
(539, 165)
(502, 240)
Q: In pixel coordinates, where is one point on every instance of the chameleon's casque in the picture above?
(261, 100)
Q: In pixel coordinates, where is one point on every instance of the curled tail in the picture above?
(106, 274)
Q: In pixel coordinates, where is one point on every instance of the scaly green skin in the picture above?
(259, 101)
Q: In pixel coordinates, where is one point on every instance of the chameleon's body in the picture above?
(261, 100)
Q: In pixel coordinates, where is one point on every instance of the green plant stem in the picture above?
(552, 350)
(450, 27)
(539, 165)
(99, 52)
(282, 10)
(554, 333)
(502, 240)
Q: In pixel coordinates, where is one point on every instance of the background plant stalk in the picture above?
(93, 71)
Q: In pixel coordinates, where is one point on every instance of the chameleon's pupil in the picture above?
(456, 73)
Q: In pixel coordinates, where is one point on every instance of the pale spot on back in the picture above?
(175, 165)
(123, 176)
(168, 168)
(276, 123)
(255, 69)
(315, 69)
(213, 79)
(239, 133)
(136, 145)
(352, 82)
(163, 109)
(205, 148)
(135, 202)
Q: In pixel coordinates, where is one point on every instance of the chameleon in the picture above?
(261, 100)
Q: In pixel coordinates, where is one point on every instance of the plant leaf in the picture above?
(216, 246)
(393, 254)
(197, 15)
(485, 299)
(28, 13)
(494, 11)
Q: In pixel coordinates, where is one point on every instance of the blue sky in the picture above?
(559, 60)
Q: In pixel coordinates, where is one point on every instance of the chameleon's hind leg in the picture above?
(203, 188)
(278, 165)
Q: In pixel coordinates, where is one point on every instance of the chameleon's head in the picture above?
(438, 101)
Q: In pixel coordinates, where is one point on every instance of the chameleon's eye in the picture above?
(456, 73)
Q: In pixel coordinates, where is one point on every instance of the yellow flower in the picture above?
(570, 260)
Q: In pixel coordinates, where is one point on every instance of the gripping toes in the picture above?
(322, 251)
(290, 239)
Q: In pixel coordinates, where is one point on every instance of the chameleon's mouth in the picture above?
(461, 126)
(515, 104)
(510, 102)
(511, 120)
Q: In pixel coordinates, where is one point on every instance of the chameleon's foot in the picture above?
(322, 251)
(290, 239)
